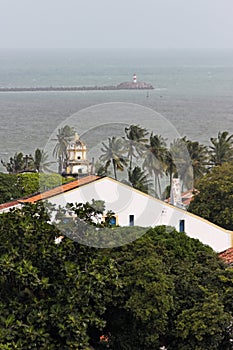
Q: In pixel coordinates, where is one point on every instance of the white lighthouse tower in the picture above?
(134, 78)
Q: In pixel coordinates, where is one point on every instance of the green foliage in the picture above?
(50, 295)
(114, 153)
(15, 164)
(41, 163)
(64, 136)
(13, 186)
(139, 179)
(154, 161)
(221, 148)
(91, 213)
(175, 293)
(202, 322)
(199, 157)
(9, 188)
(164, 289)
(21, 163)
(135, 142)
(100, 169)
(214, 199)
(89, 224)
(180, 163)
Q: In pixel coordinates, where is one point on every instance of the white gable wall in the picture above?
(147, 211)
(5, 210)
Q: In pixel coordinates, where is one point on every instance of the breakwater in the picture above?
(122, 86)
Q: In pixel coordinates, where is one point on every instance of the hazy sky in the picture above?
(116, 23)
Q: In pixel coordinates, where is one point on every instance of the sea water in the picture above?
(193, 90)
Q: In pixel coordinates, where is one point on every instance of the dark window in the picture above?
(182, 225)
(131, 220)
(112, 221)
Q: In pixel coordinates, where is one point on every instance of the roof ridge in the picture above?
(59, 189)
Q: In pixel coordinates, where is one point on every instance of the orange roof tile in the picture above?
(60, 189)
(8, 204)
(186, 197)
(227, 256)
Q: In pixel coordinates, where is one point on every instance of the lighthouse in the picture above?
(134, 78)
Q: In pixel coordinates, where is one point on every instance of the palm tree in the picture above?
(16, 164)
(41, 162)
(222, 148)
(64, 135)
(183, 163)
(135, 140)
(170, 165)
(199, 157)
(154, 160)
(28, 163)
(139, 179)
(114, 153)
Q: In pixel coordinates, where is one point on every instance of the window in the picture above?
(112, 221)
(131, 220)
(182, 226)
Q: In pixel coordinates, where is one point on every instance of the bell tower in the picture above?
(77, 163)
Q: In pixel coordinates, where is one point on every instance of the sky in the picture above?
(116, 24)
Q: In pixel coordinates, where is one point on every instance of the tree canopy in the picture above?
(13, 186)
(165, 289)
(214, 199)
(20, 163)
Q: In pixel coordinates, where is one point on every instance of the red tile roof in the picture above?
(227, 256)
(186, 197)
(8, 205)
(60, 189)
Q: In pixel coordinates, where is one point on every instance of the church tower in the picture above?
(77, 163)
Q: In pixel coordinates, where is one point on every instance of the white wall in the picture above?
(147, 211)
(5, 210)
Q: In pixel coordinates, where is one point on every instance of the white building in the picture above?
(77, 163)
(133, 207)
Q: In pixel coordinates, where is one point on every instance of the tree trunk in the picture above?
(114, 168)
(155, 180)
(159, 187)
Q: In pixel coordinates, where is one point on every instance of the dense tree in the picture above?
(221, 148)
(13, 186)
(9, 187)
(50, 294)
(27, 163)
(18, 163)
(214, 199)
(164, 289)
(113, 153)
(175, 293)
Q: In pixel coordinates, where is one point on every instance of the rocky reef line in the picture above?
(121, 86)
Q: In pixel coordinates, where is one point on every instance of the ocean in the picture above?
(193, 91)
